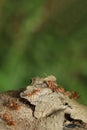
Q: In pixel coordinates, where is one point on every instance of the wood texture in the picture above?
(17, 113)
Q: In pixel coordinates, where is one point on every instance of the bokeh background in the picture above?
(44, 37)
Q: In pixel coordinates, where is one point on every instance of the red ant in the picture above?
(8, 119)
(33, 92)
(52, 86)
(13, 105)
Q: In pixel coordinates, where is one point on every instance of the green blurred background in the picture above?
(40, 38)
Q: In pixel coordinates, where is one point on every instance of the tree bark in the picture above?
(55, 110)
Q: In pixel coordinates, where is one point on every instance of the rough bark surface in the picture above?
(43, 105)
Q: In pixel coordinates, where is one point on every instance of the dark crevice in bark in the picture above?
(73, 123)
